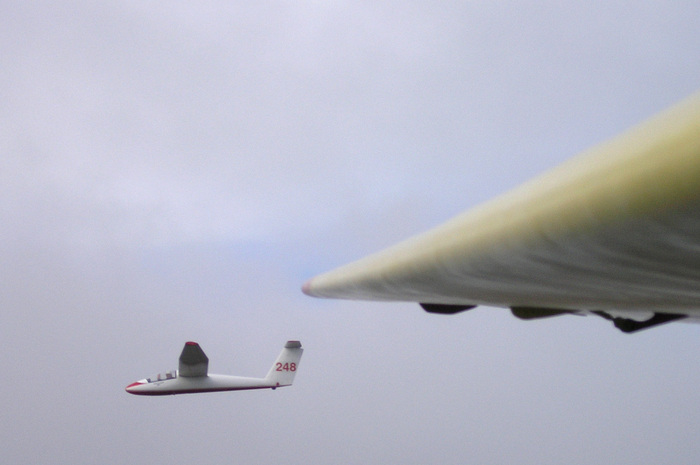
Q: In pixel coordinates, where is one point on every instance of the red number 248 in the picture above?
(286, 367)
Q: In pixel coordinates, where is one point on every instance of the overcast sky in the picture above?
(174, 171)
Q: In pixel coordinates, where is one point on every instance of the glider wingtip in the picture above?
(306, 288)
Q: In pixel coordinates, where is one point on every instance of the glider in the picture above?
(614, 232)
(193, 377)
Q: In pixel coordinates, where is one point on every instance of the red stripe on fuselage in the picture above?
(195, 391)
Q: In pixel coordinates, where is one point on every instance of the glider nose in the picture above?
(131, 388)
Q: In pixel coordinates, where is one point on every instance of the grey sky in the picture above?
(175, 171)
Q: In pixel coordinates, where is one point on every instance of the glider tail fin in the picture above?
(286, 366)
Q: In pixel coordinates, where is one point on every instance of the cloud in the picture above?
(176, 171)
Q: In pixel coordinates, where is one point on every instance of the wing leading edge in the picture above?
(614, 231)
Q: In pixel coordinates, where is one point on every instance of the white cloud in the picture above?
(172, 169)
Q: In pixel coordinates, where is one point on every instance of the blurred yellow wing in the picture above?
(614, 231)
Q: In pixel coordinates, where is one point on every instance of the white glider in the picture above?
(614, 232)
(193, 377)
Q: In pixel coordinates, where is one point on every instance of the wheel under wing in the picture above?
(614, 232)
